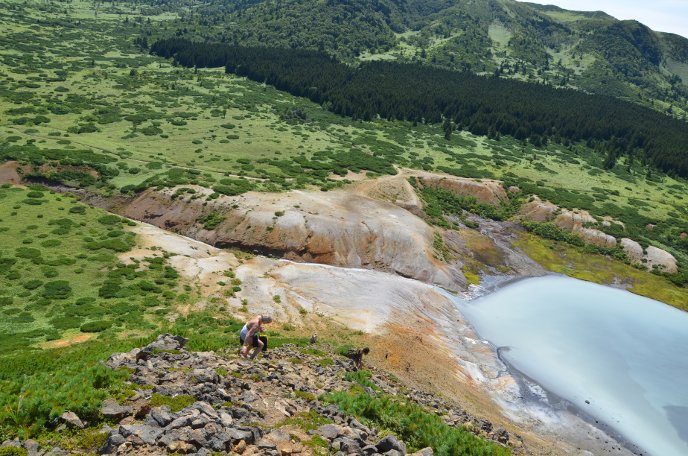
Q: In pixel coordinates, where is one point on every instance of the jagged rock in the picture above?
(391, 443)
(329, 431)
(32, 448)
(118, 360)
(633, 250)
(209, 426)
(205, 408)
(181, 447)
(501, 435)
(166, 342)
(661, 260)
(226, 419)
(148, 434)
(112, 443)
(72, 420)
(206, 376)
(111, 409)
(369, 450)
(346, 444)
(538, 210)
(514, 189)
(240, 447)
(393, 453)
(424, 452)
(266, 445)
(596, 237)
(573, 220)
(238, 434)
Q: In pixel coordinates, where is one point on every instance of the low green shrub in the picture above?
(416, 426)
(96, 326)
(175, 403)
(211, 221)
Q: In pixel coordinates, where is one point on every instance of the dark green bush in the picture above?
(59, 289)
(66, 322)
(96, 326)
(51, 243)
(549, 230)
(32, 284)
(109, 220)
(211, 221)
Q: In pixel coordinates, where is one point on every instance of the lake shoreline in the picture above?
(589, 353)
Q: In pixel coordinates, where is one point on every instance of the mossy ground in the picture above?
(573, 261)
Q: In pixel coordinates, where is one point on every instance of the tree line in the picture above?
(459, 100)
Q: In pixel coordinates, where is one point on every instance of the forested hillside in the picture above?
(592, 52)
(482, 105)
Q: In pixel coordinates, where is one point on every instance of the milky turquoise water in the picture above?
(619, 357)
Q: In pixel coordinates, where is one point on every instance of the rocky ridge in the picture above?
(580, 222)
(235, 406)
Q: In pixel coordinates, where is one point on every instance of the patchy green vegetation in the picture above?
(439, 203)
(564, 258)
(98, 112)
(411, 422)
(175, 403)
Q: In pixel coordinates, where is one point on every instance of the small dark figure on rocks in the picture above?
(356, 357)
(249, 336)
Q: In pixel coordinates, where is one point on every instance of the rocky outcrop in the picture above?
(577, 221)
(243, 407)
(580, 222)
(573, 220)
(538, 210)
(596, 237)
(337, 228)
(633, 250)
(9, 173)
(654, 258)
(660, 260)
(485, 191)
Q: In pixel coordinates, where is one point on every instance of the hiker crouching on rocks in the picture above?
(356, 357)
(249, 336)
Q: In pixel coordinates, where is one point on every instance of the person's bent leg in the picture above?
(257, 349)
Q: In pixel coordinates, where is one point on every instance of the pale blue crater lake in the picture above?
(620, 358)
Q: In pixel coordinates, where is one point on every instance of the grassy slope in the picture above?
(219, 125)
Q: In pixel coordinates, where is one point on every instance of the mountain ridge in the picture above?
(589, 51)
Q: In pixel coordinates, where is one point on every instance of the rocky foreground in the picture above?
(228, 405)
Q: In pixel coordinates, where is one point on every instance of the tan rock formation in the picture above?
(396, 189)
(538, 210)
(596, 237)
(573, 220)
(486, 191)
(633, 250)
(660, 259)
(9, 174)
(337, 228)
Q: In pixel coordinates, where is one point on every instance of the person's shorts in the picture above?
(254, 340)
